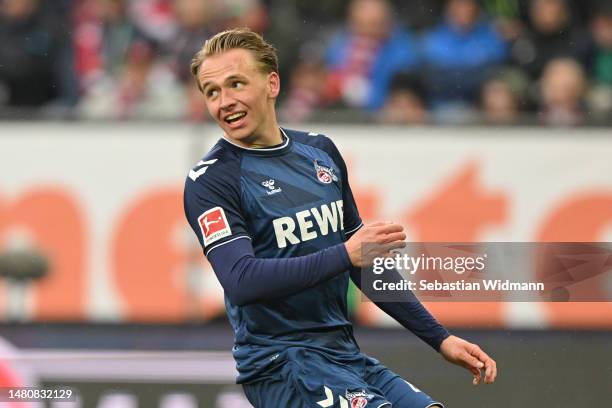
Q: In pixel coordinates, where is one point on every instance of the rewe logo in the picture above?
(327, 216)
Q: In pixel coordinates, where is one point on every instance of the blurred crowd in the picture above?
(500, 62)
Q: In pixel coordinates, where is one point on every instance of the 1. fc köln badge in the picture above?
(358, 399)
(214, 225)
(359, 402)
(325, 174)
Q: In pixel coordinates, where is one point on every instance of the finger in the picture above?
(487, 373)
(395, 236)
(488, 370)
(471, 361)
(477, 352)
(387, 248)
(390, 254)
(384, 250)
(491, 372)
(389, 228)
(477, 375)
(489, 363)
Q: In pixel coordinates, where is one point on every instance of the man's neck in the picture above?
(267, 138)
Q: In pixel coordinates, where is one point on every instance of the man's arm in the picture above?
(411, 314)
(247, 279)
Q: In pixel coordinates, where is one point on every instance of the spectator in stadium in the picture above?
(35, 57)
(306, 92)
(600, 98)
(506, 16)
(194, 19)
(499, 102)
(118, 33)
(563, 89)
(458, 53)
(155, 18)
(552, 34)
(244, 13)
(601, 27)
(406, 102)
(105, 32)
(300, 29)
(87, 40)
(365, 55)
(419, 14)
(144, 88)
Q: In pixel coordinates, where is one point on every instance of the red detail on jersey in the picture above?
(359, 402)
(212, 222)
(214, 225)
(324, 176)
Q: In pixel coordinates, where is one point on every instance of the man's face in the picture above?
(463, 14)
(17, 9)
(548, 16)
(238, 95)
(370, 19)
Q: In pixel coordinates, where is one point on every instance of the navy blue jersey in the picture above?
(288, 201)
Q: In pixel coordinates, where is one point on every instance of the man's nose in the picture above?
(227, 101)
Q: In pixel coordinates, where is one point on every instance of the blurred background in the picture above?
(463, 120)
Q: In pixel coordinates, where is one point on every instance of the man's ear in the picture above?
(273, 84)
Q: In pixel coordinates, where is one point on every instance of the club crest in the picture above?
(325, 174)
(358, 399)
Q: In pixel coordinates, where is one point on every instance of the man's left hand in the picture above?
(470, 356)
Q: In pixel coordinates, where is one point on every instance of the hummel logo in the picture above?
(269, 184)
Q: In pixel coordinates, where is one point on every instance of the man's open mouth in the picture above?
(234, 117)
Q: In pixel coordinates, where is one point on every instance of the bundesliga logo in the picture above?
(324, 174)
(358, 399)
(214, 225)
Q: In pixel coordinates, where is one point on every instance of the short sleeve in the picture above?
(212, 204)
(352, 220)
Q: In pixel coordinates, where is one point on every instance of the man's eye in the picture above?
(212, 93)
(237, 84)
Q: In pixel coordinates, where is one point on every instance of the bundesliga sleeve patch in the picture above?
(214, 225)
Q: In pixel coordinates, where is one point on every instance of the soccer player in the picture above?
(274, 213)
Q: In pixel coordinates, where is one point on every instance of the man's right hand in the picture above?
(380, 237)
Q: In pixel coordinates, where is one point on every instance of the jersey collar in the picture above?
(265, 151)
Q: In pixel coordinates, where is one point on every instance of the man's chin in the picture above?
(241, 135)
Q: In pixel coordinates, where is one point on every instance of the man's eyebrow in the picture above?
(205, 84)
(233, 77)
(226, 80)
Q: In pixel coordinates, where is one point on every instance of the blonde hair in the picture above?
(239, 38)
